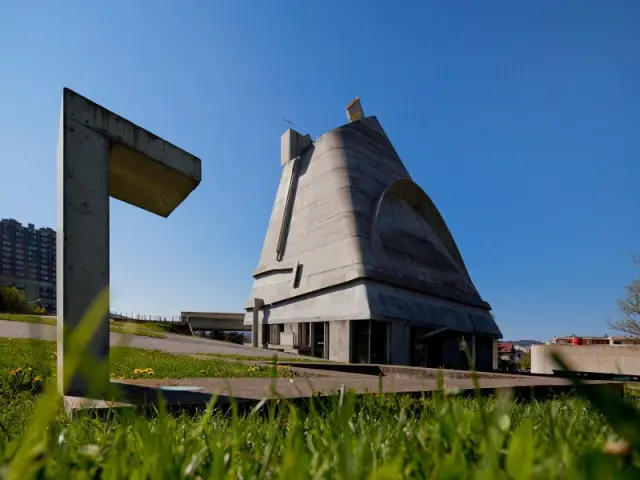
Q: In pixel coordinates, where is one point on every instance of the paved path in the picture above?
(173, 343)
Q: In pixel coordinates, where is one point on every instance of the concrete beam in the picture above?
(186, 316)
(212, 321)
(209, 325)
(144, 170)
(100, 154)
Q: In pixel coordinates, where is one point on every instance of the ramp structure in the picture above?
(358, 265)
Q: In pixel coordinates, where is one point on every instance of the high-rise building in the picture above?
(28, 261)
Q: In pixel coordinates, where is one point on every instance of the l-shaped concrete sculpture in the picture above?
(102, 155)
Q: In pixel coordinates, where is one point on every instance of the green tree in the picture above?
(12, 300)
(629, 307)
(525, 361)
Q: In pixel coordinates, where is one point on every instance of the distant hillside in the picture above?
(523, 343)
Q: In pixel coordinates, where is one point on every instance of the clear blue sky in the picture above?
(520, 119)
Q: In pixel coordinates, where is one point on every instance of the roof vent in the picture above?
(354, 110)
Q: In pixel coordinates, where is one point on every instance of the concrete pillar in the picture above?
(339, 341)
(101, 154)
(327, 330)
(255, 328)
(312, 339)
(83, 243)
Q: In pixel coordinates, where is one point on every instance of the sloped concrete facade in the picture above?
(353, 239)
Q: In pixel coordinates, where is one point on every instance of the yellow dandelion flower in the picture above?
(37, 379)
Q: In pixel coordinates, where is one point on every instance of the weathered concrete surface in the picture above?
(360, 240)
(144, 170)
(100, 154)
(261, 388)
(587, 358)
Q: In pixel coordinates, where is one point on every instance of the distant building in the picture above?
(606, 340)
(511, 352)
(28, 261)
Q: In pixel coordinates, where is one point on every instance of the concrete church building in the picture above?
(357, 263)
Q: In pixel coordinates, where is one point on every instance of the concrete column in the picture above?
(327, 330)
(255, 328)
(83, 243)
(339, 340)
(312, 339)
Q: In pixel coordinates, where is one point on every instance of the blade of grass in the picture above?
(621, 415)
(32, 444)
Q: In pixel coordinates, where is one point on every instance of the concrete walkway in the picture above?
(173, 343)
(256, 389)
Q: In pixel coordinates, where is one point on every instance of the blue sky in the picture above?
(520, 119)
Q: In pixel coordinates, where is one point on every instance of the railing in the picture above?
(144, 318)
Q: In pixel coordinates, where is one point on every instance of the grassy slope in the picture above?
(266, 358)
(130, 328)
(41, 357)
(382, 437)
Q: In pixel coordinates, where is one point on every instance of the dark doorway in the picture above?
(369, 340)
(304, 338)
(427, 346)
(378, 342)
(418, 354)
(359, 341)
(317, 349)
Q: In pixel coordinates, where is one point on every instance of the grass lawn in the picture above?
(369, 437)
(267, 358)
(26, 318)
(116, 326)
(40, 356)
